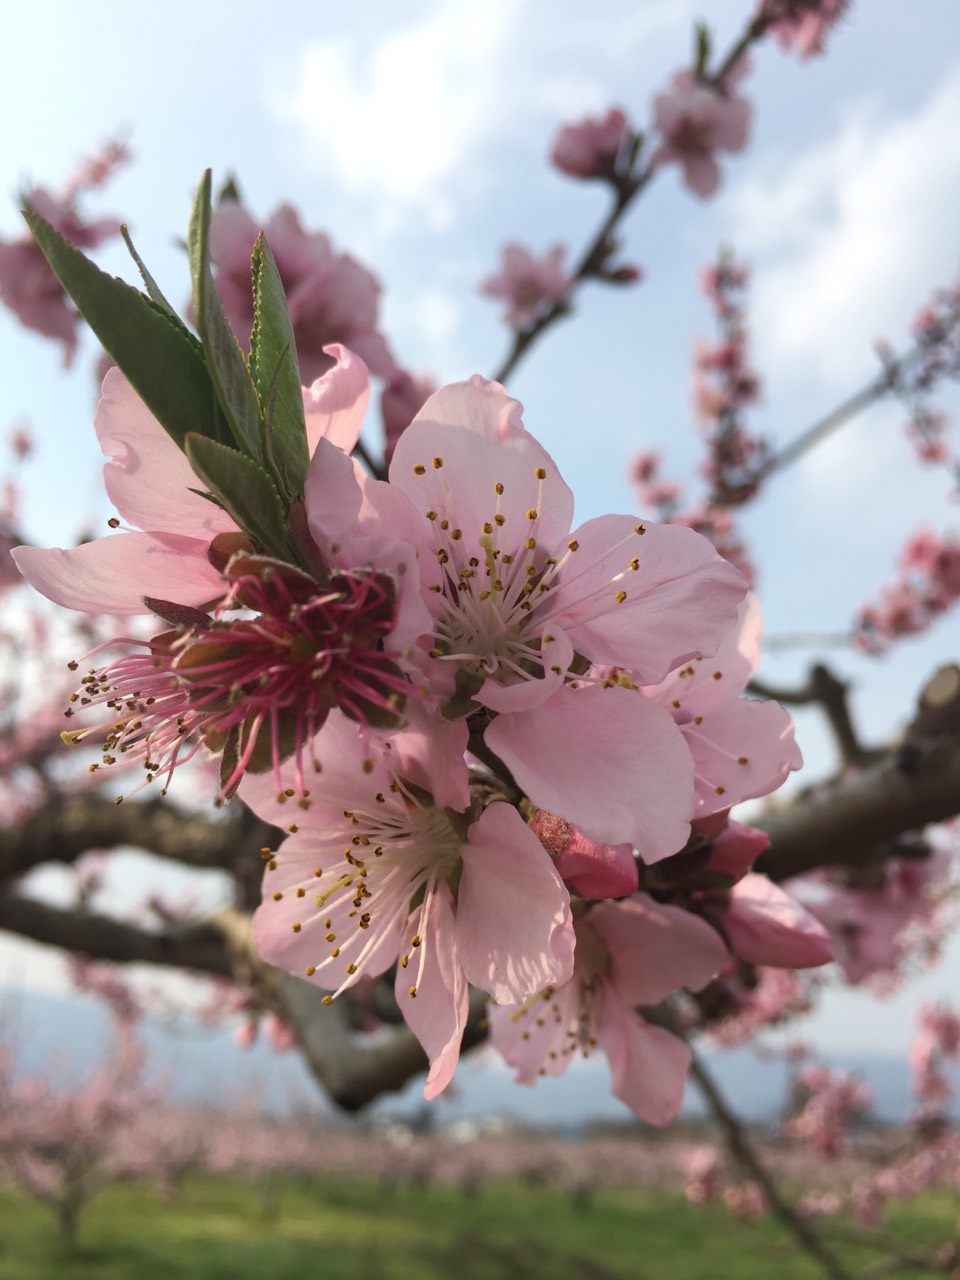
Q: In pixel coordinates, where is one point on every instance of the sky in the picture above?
(416, 136)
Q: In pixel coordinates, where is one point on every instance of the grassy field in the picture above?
(348, 1231)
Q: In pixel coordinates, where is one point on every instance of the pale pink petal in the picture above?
(740, 750)
(298, 950)
(711, 682)
(679, 601)
(649, 1065)
(701, 174)
(473, 431)
(556, 653)
(437, 1014)
(537, 1036)
(656, 949)
(514, 926)
(480, 405)
(765, 925)
(331, 492)
(430, 752)
(113, 574)
(335, 404)
(148, 478)
(387, 511)
(609, 761)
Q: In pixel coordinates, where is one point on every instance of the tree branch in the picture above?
(70, 825)
(914, 784)
(200, 947)
(742, 1151)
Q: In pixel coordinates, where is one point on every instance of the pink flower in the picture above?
(530, 286)
(400, 401)
(628, 953)
(282, 646)
(332, 298)
(521, 606)
(742, 748)
(696, 119)
(384, 864)
(590, 149)
(28, 285)
(802, 25)
(765, 925)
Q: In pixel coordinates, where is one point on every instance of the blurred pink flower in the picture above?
(590, 149)
(332, 297)
(630, 953)
(530, 286)
(401, 400)
(28, 285)
(802, 25)
(696, 119)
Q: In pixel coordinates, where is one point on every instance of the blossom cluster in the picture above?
(27, 285)
(477, 725)
(925, 587)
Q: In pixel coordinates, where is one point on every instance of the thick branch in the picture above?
(915, 784)
(352, 1068)
(824, 688)
(70, 825)
(200, 947)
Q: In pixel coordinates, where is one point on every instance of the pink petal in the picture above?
(148, 478)
(656, 949)
(112, 575)
(740, 750)
(429, 752)
(610, 761)
(514, 926)
(336, 403)
(298, 949)
(331, 492)
(649, 1065)
(680, 601)
(480, 445)
(535, 1036)
(556, 653)
(765, 925)
(437, 1014)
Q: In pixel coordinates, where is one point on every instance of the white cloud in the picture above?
(413, 113)
(397, 116)
(849, 238)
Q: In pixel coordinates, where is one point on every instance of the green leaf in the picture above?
(276, 373)
(225, 360)
(162, 360)
(244, 489)
(153, 289)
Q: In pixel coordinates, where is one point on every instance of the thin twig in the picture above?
(627, 189)
(742, 1151)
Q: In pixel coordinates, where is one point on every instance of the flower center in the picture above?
(258, 686)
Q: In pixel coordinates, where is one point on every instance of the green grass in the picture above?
(351, 1231)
